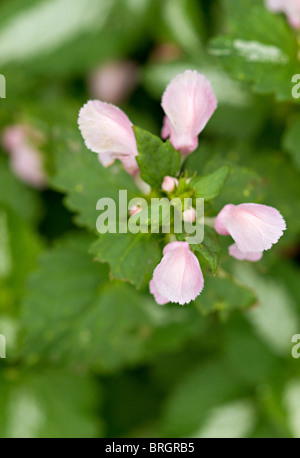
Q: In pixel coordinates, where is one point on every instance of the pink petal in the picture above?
(107, 130)
(114, 81)
(13, 137)
(135, 209)
(169, 184)
(106, 159)
(188, 102)
(141, 184)
(253, 227)
(27, 164)
(166, 128)
(275, 5)
(291, 8)
(130, 164)
(178, 277)
(158, 298)
(220, 221)
(241, 256)
(189, 215)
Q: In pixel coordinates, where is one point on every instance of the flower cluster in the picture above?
(188, 103)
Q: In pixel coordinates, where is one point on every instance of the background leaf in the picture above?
(99, 325)
(260, 48)
(47, 404)
(208, 187)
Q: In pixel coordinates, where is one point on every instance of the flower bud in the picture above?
(25, 159)
(107, 131)
(169, 184)
(188, 102)
(189, 215)
(114, 81)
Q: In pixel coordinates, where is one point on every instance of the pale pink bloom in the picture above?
(253, 227)
(188, 103)
(107, 131)
(158, 298)
(26, 161)
(135, 209)
(291, 8)
(252, 256)
(189, 215)
(178, 277)
(27, 165)
(13, 137)
(114, 81)
(169, 184)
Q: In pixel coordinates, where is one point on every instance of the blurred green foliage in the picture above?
(88, 356)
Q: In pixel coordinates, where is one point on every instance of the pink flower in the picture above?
(189, 215)
(114, 81)
(107, 131)
(134, 210)
(13, 137)
(26, 161)
(252, 256)
(253, 227)
(188, 102)
(160, 300)
(169, 184)
(291, 8)
(178, 277)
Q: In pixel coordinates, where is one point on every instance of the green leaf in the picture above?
(243, 183)
(19, 247)
(224, 294)
(206, 387)
(132, 257)
(186, 16)
(242, 339)
(156, 159)
(275, 318)
(208, 187)
(81, 176)
(73, 316)
(73, 47)
(17, 196)
(47, 404)
(209, 249)
(260, 48)
(291, 140)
